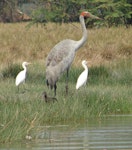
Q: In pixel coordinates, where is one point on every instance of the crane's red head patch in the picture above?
(85, 14)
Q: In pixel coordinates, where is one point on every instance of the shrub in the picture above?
(11, 70)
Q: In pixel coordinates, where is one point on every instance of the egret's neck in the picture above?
(85, 67)
(24, 67)
(84, 31)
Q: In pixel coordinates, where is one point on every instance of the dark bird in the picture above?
(62, 55)
(48, 99)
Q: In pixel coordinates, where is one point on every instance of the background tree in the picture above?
(114, 12)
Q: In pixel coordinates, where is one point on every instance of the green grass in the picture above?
(108, 91)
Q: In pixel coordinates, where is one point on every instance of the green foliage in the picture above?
(98, 74)
(11, 70)
(114, 12)
(103, 74)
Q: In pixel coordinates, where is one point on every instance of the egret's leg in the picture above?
(18, 89)
(24, 87)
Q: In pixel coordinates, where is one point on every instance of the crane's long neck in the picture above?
(84, 30)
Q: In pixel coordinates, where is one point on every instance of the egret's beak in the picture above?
(29, 63)
(86, 62)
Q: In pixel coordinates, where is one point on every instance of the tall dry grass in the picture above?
(19, 43)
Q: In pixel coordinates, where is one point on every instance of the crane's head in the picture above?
(88, 14)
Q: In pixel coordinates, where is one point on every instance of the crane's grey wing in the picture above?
(60, 52)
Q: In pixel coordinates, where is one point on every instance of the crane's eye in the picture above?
(85, 14)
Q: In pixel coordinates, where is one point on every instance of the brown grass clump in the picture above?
(106, 45)
(19, 43)
(125, 49)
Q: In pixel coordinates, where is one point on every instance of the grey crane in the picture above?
(62, 55)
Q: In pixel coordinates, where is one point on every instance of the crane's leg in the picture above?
(47, 83)
(55, 87)
(67, 75)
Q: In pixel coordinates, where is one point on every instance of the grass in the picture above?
(108, 90)
(19, 43)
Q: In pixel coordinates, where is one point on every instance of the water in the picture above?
(110, 133)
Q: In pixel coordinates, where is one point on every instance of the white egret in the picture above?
(82, 79)
(20, 78)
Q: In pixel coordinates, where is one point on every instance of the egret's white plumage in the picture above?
(82, 79)
(20, 78)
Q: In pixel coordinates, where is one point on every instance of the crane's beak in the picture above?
(94, 17)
